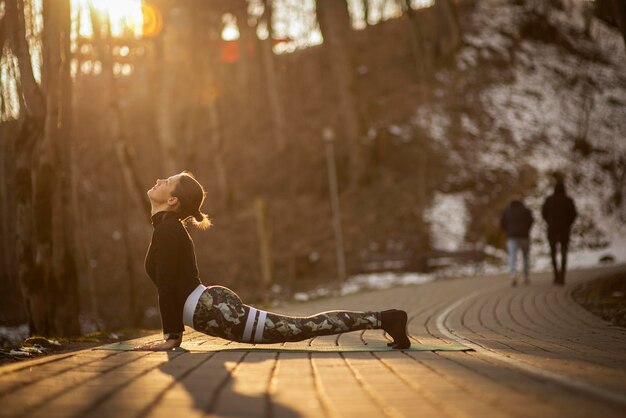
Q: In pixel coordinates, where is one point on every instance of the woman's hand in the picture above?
(159, 346)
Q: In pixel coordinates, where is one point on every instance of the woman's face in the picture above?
(161, 192)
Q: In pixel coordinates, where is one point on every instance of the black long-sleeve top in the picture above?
(171, 264)
(559, 211)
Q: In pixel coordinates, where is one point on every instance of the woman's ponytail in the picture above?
(201, 220)
(191, 194)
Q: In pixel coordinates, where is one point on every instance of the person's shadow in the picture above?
(223, 383)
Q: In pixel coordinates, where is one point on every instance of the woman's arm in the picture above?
(167, 241)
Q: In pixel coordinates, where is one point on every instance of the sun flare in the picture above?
(125, 16)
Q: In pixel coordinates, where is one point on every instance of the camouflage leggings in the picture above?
(220, 313)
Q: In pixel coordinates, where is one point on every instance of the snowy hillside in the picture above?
(548, 106)
(528, 96)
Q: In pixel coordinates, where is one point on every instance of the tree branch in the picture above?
(34, 104)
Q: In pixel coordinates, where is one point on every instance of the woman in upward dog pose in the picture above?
(217, 310)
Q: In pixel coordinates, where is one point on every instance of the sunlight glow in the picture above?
(294, 25)
(152, 20)
(9, 76)
(380, 11)
(230, 32)
(33, 20)
(262, 31)
(125, 16)
(123, 19)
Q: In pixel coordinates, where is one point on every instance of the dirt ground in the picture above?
(35, 347)
(605, 297)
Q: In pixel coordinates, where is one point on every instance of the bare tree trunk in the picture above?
(44, 222)
(381, 10)
(12, 308)
(12, 312)
(366, 11)
(7, 200)
(176, 91)
(86, 270)
(245, 64)
(334, 21)
(422, 173)
(129, 177)
(133, 191)
(207, 65)
(269, 69)
(217, 143)
(421, 57)
(115, 122)
(618, 9)
(620, 6)
(265, 246)
(448, 27)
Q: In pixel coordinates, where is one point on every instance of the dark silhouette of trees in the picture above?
(44, 222)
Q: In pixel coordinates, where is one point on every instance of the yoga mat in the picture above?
(208, 348)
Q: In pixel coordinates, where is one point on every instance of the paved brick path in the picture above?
(537, 354)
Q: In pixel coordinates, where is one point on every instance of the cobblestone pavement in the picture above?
(537, 353)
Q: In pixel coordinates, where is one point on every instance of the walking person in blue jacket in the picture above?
(516, 221)
(559, 212)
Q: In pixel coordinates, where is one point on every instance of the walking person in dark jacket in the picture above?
(516, 221)
(559, 212)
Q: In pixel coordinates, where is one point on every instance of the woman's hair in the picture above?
(191, 194)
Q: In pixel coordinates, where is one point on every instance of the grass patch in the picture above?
(605, 297)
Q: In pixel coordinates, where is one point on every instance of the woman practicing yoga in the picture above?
(217, 310)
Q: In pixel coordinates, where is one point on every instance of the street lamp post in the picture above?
(328, 136)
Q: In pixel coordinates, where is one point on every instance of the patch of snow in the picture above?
(36, 349)
(301, 297)
(448, 219)
(469, 125)
(16, 334)
(434, 122)
(19, 353)
(394, 130)
(495, 252)
(472, 269)
(586, 257)
(467, 57)
(496, 42)
(361, 282)
(403, 132)
(382, 281)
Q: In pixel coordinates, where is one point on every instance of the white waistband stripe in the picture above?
(260, 326)
(191, 303)
(247, 332)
